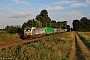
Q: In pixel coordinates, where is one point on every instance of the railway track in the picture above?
(19, 42)
(82, 51)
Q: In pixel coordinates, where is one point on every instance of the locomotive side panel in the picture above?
(39, 31)
(55, 30)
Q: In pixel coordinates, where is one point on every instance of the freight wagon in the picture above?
(49, 30)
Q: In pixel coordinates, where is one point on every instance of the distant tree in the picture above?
(54, 24)
(44, 18)
(12, 29)
(85, 23)
(59, 24)
(32, 23)
(68, 28)
(38, 23)
(24, 25)
(75, 22)
(77, 25)
(83, 19)
(29, 23)
(72, 29)
(62, 24)
(2, 29)
(81, 25)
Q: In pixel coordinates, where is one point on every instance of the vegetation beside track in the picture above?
(52, 48)
(7, 37)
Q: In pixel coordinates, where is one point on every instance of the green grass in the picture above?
(6, 37)
(85, 36)
(53, 48)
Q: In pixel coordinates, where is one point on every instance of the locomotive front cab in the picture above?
(28, 32)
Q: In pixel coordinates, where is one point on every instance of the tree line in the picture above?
(81, 25)
(41, 20)
(13, 29)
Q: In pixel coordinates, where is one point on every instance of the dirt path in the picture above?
(79, 51)
(82, 52)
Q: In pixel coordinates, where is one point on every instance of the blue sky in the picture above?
(16, 12)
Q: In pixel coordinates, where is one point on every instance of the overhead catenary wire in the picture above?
(12, 7)
(7, 12)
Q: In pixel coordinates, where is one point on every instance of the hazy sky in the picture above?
(16, 12)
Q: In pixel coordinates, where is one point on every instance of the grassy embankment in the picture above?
(6, 37)
(52, 48)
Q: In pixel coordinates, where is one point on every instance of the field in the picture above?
(65, 46)
(7, 37)
(85, 36)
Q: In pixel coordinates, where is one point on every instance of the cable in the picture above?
(11, 7)
(6, 11)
